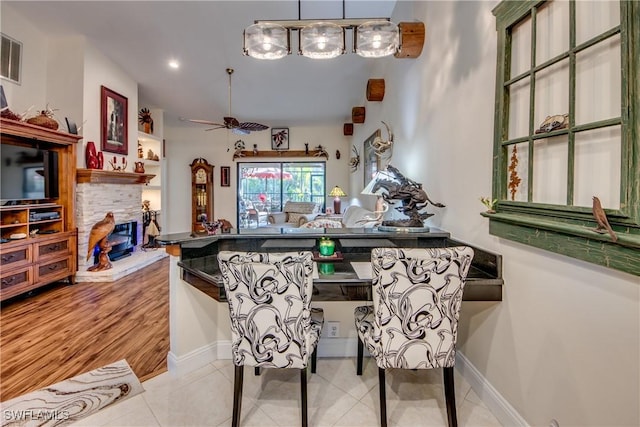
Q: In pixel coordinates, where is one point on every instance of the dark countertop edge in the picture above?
(486, 290)
(187, 237)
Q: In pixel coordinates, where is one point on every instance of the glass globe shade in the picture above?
(322, 40)
(375, 39)
(266, 41)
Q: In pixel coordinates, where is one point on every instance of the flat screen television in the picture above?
(27, 174)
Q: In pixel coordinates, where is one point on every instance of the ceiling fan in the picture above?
(231, 122)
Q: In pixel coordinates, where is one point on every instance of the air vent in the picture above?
(11, 56)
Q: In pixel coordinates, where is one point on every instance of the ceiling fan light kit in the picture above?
(322, 39)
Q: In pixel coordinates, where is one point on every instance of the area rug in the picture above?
(73, 399)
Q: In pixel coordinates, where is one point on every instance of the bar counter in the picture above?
(336, 278)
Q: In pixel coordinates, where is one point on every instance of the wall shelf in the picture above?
(280, 153)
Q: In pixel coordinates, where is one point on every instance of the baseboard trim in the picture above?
(219, 350)
(497, 404)
(196, 359)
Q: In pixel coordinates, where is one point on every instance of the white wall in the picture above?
(31, 93)
(184, 144)
(101, 71)
(564, 342)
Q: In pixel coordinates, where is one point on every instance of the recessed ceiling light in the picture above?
(174, 64)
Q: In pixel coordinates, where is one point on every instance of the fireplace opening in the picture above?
(123, 240)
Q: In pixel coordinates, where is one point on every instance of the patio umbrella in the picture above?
(267, 173)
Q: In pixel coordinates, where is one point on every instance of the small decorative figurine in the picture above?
(139, 167)
(140, 151)
(551, 123)
(99, 235)
(601, 219)
(114, 164)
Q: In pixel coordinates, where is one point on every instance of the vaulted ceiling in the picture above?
(206, 38)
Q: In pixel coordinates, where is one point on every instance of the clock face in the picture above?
(201, 176)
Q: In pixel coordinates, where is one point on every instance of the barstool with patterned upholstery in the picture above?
(413, 323)
(272, 322)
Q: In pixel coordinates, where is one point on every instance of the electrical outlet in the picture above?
(333, 329)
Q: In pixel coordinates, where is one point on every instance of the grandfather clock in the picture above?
(201, 194)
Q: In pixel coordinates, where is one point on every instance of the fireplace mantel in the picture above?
(99, 176)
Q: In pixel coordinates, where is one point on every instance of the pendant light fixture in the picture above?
(376, 39)
(322, 39)
(266, 40)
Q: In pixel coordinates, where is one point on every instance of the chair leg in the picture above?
(303, 395)
(256, 371)
(360, 356)
(383, 398)
(450, 397)
(314, 360)
(237, 395)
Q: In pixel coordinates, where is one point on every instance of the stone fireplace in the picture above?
(97, 193)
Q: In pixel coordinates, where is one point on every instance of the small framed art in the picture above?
(113, 107)
(225, 176)
(279, 138)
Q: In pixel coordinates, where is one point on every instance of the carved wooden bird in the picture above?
(99, 231)
(601, 219)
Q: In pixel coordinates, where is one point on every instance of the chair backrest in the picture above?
(416, 300)
(269, 297)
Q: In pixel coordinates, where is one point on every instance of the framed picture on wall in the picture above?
(225, 176)
(279, 138)
(113, 108)
(371, 162)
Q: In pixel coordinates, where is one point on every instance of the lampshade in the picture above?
(375, 39)
(266, 41)
(382, 175)
(322, 40)
(337, 192)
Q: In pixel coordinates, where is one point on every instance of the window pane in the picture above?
(520, 48)
(550, 170)
(517, 172)
(598, 82)
(552, 92)
(595, 17)
(598, 150)
(519, 109)
(552, 30)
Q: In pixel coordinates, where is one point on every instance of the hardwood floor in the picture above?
(67, 330)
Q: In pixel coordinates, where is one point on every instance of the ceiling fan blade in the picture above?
(206, 122)
(252, 126)
(217, 127)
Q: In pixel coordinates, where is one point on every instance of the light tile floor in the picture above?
(336, 397)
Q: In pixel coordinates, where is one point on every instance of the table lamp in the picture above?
(337, 192)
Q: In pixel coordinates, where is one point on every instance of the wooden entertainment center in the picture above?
(48, 250)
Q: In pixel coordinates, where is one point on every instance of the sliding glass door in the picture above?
(265, 187)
